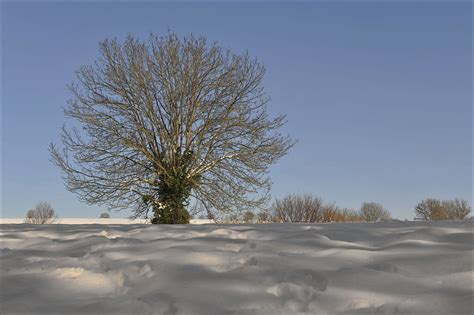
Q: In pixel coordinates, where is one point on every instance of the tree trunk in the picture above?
(172, 201)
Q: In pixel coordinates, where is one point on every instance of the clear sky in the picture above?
(379, 95)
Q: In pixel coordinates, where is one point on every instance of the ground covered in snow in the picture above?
(405, 267)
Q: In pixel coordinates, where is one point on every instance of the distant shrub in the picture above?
(351, 215)
(296, 208)
(264, 217)
(234, 218)
(307, 208)
(331, 213)
(457, 209)
(42, 213)
(210, 216)
(104, 215)
(374, 212)
(430, 209)
(434, 209)
(248, 217)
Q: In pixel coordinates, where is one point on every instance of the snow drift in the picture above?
(398, 267)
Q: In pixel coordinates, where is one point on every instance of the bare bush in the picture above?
(457, 209)
(330, 213)
(248, 217)
(295, 208)
(104, 215)
(430, 209)
(42, 213)
(351, 215)
(374, 212)
(434, 209)
(264, 217)
(210, 216)
(234, 218)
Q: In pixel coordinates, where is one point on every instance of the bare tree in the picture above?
(351, 215)
(435, 209)
(104, 215)
(460, 209)
(331, 213)
(42, 213)
(374, 212)
(295, 208)
(457, 209)
(248, 217)
(234, 218)
(264, 216)
(168, 119)
(430, 209)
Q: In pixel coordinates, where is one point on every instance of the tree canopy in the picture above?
(167, 120)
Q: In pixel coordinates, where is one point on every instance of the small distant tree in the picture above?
(234, 218)
(296, 208)
(42, 213)
(264, 217)
(374, 212)
(210, 216)
(457, 209)
(330, 213)
(430, 209)
(248, 217)
(351, 215)
(439, 213)
(104, 215)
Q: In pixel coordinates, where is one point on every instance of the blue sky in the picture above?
(377, 94)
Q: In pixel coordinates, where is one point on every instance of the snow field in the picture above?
(396, 267)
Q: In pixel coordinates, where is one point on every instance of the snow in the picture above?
(382, 268)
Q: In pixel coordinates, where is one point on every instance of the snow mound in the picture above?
(383, 268)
